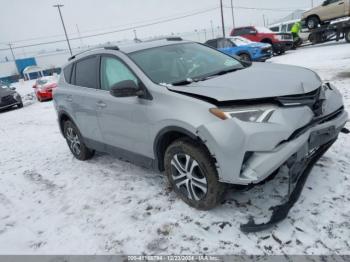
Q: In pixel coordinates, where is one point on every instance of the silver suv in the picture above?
(204, 118)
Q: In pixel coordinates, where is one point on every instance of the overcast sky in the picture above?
(27, 19)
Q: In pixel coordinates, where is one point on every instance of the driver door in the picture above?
(123, 120)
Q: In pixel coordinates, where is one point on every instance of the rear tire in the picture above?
(312, 22)
(75, 142)
(192, 174)
(347, 36)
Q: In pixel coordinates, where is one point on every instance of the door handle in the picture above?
(69, 98)
(341, 3)
(101, 104)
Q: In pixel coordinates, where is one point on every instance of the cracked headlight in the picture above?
(257, 114)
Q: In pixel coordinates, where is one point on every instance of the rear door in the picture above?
(84, 98)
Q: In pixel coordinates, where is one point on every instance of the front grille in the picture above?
(286, 36)
(8, 100)
(313, 100)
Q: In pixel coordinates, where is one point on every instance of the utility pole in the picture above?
(222, 19)
(135, 34)
(64, 27)
(205, 34)
(81, 40)
(233, 15)
(212, 28)
(312, 3)
(13, 57)
(264, 20)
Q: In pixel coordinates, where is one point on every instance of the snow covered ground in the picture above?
(51, 203)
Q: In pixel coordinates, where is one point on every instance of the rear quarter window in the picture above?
(86, 73)
(67, 72)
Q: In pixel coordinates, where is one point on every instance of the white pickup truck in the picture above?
(329, 10)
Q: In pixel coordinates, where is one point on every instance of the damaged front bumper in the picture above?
(248, 153)
(299, 167)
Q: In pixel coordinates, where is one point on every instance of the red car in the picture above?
(43, 87)
(280, 42)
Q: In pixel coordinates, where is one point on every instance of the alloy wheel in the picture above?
(188, 177)
(73, 140)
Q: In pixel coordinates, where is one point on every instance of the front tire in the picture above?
(75, 142)
(312, 22)
(192, 174)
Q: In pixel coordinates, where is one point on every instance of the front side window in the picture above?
(114, 71)
(86, 72)
(179, 62)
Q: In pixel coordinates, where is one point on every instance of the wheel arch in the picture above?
(165, 137)
(63, 116)
(245, 52)
(266, 40)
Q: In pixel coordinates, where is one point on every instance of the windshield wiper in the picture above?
(183, 82)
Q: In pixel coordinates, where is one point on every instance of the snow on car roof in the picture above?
(262, 29)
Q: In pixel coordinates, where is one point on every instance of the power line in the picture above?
(109, 28)
(114, 31)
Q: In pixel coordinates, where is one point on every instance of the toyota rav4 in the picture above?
(203, 117)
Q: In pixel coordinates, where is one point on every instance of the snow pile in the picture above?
(51, 203)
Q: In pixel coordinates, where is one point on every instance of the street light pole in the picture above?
(233, 15)
(312, 3)
(64, 27)
(212, 28)
(222, 19)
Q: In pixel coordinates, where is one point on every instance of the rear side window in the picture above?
(242, 31)
(67, 71)
(86, 73)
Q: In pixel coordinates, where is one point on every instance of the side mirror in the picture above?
(325, 3)
(13, 88)
(34, 86)
(127, 88)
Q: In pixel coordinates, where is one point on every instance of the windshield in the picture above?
(239, 41)
(182, 62)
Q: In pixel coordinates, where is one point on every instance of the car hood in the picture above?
(258, 45)
(261, 80)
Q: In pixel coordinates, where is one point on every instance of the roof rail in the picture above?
(107, 47)
(174, 38)
(167, 38)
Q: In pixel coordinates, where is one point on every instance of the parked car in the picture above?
(286, 27)
(9, 97)
(242, 47)
(280, 42)
(43, 87)
(328, 11)
(197, 114)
